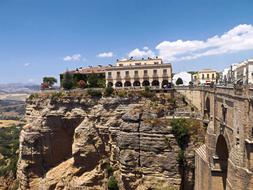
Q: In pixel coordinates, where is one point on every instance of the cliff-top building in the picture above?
(83, 73)
(139, 73)
(205, 76)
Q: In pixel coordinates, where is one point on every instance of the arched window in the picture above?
(127, 84)
(118, 84)
(145, 83)
(109, 84)
(155, 83)
(136, 83)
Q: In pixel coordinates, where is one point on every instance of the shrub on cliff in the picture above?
(108, 91)
(180, 128)
(122, 93)
(94, 93)
(113, 184)
(33, 96)
(147, 93)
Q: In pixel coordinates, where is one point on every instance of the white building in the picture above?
(244, 72)
(152, 72)
(225, 78)
(186, 78)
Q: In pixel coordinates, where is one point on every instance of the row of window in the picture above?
(137, 72)
(155, 63)
(207, 76)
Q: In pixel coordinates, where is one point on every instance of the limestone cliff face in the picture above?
(72, 143)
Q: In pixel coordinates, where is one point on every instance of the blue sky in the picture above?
(45, 37)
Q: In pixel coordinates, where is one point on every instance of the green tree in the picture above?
(92, 81)
(67, 81)
(50, 81)
(179, 81)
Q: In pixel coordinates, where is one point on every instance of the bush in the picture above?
(57, 95)
(108, 91)
(147, 93)
(180, 128)
(113, 184)
(122, 93)
(94, 93)
(33, 96)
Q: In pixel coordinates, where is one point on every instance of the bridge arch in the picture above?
(221, 163)
(207, 109)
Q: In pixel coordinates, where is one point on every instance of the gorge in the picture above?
(75, 141)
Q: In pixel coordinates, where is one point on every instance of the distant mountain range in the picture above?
(18, 88)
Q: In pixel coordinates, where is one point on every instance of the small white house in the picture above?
(186, 78)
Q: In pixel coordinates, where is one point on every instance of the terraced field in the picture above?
(12, 109)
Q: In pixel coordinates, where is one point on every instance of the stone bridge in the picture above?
(225, 161)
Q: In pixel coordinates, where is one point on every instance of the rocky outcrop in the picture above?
(76, 143)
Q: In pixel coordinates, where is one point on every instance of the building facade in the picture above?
(244, 72)
(186, 78)
(84, 73)
(239, 73)
(139, 73)
(205, 76)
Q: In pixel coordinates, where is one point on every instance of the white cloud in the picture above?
(105, 54)
(27, 64)
(75, 57)
(237, 39)
(137, 53)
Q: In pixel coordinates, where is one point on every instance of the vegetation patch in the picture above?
(9, 144)
(33, 96)
(180, 128)
(94, 93)
(113, 184)
(108, 91)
